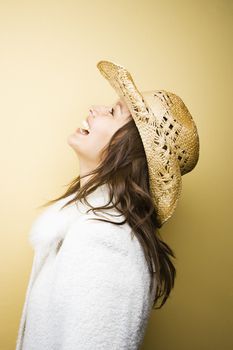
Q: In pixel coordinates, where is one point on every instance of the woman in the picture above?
(100, 264)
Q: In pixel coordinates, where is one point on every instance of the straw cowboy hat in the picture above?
(168, 132)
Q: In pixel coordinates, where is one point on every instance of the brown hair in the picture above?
(124, 168)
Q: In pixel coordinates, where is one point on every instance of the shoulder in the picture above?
(101, 233)
(108, 243)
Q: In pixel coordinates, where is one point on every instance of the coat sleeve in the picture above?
(100, 293)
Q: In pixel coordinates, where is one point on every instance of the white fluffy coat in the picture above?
(92, 291)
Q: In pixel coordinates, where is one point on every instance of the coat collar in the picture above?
(53, 223)
(99, 196)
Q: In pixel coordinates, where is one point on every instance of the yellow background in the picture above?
(48, 80)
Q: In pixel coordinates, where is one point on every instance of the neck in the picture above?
(85, 168)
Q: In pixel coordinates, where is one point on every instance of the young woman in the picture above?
(100, 265)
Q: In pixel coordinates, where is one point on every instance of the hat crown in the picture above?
(171, 115)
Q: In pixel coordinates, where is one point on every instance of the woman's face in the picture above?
(103, 121)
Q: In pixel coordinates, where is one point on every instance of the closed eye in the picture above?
(112, 110)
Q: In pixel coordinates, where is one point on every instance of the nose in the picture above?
(96, 109)
(91, 110)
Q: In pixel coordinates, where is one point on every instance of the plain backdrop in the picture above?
(48, 80)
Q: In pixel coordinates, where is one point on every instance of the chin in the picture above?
(71, 140)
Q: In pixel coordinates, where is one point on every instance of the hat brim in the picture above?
(164, 171)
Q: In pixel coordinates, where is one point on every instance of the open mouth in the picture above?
(85, 130)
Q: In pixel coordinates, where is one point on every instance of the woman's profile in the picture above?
(100, 265)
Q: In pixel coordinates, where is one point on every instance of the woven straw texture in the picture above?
(168, 132)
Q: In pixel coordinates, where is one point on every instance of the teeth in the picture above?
(85, 125)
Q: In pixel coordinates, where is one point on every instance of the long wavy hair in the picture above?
(124, 168)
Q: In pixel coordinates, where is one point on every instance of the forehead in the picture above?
(121, 103)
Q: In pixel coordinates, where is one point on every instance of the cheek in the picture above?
(90, 146)
(99, 137)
